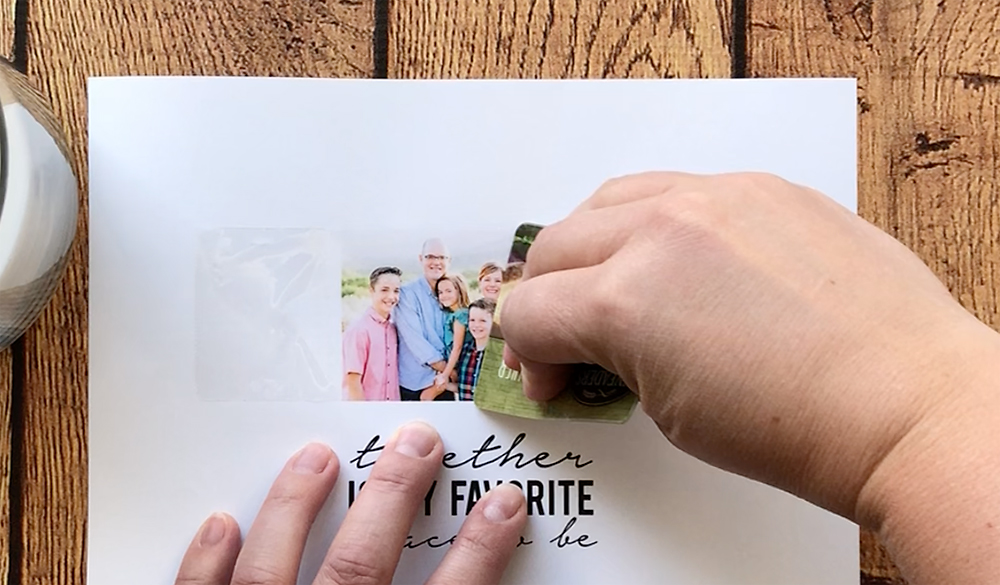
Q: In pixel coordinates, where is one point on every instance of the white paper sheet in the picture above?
(210, 197)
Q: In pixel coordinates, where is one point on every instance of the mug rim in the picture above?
(4, 157)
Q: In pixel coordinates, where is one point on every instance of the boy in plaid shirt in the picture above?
(471, 360)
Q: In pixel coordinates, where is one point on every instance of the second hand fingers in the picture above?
(370, 541)
(601, 225)
(273, 546)
(210, 558)
(486, 541)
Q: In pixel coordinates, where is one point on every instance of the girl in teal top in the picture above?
(453, 294)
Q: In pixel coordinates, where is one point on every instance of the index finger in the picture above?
(586, 238)
(367, 547)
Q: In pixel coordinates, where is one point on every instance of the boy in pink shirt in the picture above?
(370, 344)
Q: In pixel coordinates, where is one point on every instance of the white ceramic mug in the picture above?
(38, 204)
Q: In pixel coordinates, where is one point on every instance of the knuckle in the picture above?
(611, 189)
(391, 480)
(285, 496)
(543, 239)
(476, 544)
(258, 574)
(352, 565)
(614, 183)
(690, 212)
(757, 180)
(608, 305)
(606, 298)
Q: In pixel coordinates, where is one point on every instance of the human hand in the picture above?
(766, 329)
(368, 545)
(440, 379)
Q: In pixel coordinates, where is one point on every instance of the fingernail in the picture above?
(213, 531)
(416, 439)
(510, 359)
(313, 458)
(502, 502)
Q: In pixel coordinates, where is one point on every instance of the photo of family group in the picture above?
(416, 326)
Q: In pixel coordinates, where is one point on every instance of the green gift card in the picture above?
(593, 393)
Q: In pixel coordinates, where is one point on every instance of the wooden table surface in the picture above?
(928, 104)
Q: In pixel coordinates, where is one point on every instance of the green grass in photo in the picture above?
(499, 387)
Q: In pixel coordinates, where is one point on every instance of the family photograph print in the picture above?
(416, 326)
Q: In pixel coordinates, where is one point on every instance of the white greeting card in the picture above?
(234, 228)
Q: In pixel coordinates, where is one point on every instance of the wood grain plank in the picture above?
(945, 138)
(7, 22)
(6, 443)
(7, 8)
(928, 108)
(559, 39)
(69, 41)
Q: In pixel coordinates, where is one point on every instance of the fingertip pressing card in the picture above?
(593, 393)
(277, 261)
